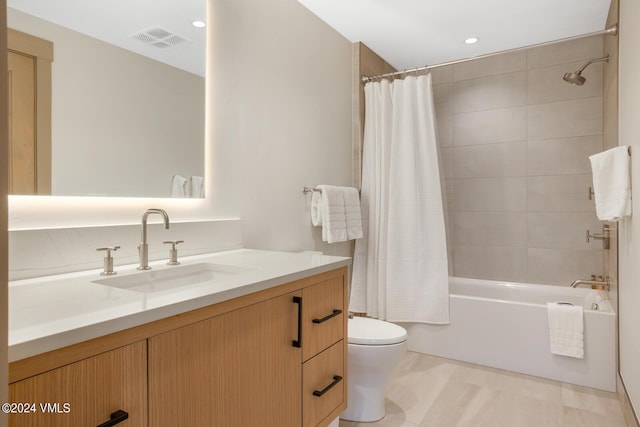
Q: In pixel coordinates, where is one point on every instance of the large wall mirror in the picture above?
(127, 97)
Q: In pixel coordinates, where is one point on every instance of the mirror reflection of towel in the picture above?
(179, 186)
(197, 187)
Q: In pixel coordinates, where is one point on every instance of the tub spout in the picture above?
(579, 282)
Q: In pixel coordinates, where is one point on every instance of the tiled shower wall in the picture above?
(515, 140)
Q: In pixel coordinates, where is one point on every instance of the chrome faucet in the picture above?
(578, 282)
(143, 247)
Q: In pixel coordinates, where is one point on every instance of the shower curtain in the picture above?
(400, 270)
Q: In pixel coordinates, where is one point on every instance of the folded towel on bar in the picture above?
(566, 329)
(178, 186)
(334, 220)
(316, 208)
(352, 212)
(337, 210)
(612, 183)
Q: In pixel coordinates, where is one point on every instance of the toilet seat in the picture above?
(366, 331)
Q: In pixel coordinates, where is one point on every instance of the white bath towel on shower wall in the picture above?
(400, 266)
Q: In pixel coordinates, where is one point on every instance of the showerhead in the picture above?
(576, 78)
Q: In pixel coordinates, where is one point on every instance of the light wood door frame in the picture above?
(42, 51)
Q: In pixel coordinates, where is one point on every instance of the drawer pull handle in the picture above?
(116, 418)
(324, 319)
(298, 343)
(336, 380)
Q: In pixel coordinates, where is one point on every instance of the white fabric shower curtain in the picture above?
(400, 270)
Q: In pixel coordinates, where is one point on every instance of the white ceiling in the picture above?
(406, 33)
(114, 21)
(414, 33)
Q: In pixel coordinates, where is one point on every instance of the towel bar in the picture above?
(307, 190)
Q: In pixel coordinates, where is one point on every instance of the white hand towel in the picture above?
(334, 222)
(352, 212)
(566, 330)
(178, 186)
(612, 183)
(316, 208)
(197, 187)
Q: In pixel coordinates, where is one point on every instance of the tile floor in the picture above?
(436, 392)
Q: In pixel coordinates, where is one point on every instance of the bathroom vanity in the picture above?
(264, 346)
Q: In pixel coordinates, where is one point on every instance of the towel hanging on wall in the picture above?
(612, 183)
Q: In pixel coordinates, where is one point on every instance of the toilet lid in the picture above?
(363, 330)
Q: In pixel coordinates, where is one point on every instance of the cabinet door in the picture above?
(238, 369)
(86, 393)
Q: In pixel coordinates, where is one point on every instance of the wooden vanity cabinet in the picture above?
(324, 351)
(236, 369)
(274, 358)
(279, 362)
(86, 392)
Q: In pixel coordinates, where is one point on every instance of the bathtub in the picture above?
(504, 325)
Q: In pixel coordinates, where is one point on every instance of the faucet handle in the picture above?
(108, 260)
(173, 252)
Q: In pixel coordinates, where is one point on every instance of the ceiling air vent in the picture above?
(159, 38)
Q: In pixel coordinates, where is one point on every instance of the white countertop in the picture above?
(51, 312)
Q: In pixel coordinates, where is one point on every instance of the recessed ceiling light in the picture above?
(471, 40)
(198, 24)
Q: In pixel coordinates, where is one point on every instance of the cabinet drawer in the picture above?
(322, 326)
(324, 384)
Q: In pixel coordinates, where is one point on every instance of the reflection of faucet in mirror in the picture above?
(143, 248)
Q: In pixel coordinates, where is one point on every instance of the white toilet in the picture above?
(375, 349)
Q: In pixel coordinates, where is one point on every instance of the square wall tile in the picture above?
(487, 93)
(562, 266)
(562, 156)
(560, 230)
(566, 118)
(490, 126)
(500, 64)
(562, 193)
(490, 194)
(493, 263)
(562, 53)
(490, 160)
(490, 229)
(546, 84)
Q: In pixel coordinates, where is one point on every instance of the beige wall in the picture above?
(610, 140)
(281, 117)
(116, 110)
(515, 141)
(629, 230)
(4, 185)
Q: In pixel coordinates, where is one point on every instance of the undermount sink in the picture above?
(173, 277)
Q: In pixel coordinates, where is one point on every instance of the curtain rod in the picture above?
(611, 31)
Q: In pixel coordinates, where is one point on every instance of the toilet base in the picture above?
(365, 405)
